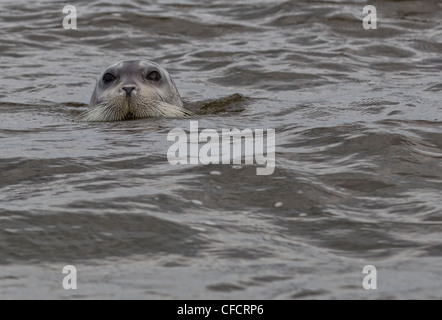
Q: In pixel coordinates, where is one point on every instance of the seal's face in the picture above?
(133, 90)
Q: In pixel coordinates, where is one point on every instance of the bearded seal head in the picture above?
(134, 89)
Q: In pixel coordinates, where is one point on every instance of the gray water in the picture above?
(358, 176)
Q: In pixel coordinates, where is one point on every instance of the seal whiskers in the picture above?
(146, 108)
(102, 112)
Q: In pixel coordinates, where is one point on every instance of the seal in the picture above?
(134, 89)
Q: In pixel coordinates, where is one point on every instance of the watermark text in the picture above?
(371, 279)
(70, 281)
(230, 146)
(371, 20)
(70, 21)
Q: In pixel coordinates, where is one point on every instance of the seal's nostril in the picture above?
(128, 90)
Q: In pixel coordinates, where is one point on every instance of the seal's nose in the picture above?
(128, 90)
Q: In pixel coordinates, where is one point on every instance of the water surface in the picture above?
(358, 176)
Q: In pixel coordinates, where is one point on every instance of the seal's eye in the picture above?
(108, 77)
(154, 76)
